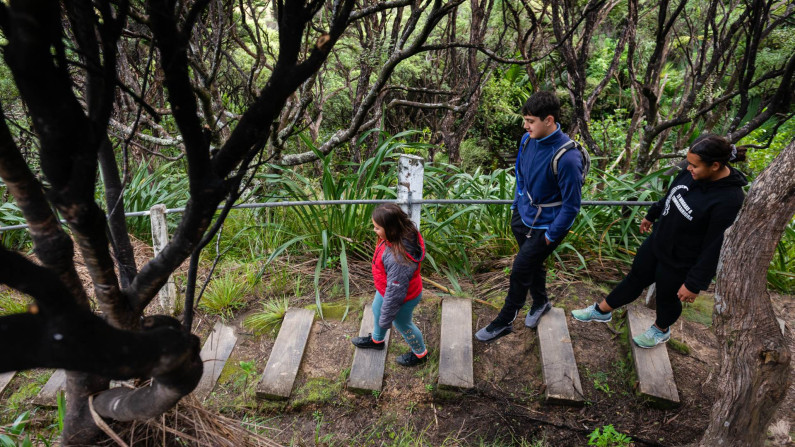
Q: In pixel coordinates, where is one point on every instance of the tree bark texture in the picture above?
(755, 358)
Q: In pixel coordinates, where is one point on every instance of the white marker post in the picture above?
(157, 216)
(410, 176)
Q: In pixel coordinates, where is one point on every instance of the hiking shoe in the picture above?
(591, 313)
(367, 342)
(535, 313)
(411, 359)
(652, 337)
(493, 331)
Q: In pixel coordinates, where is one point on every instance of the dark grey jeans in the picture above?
(529, 270)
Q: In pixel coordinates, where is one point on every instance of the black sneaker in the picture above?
(493, 331)
(367, 342)
(411, 359)
(535, 315)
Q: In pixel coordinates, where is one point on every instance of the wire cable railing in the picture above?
(366, 202)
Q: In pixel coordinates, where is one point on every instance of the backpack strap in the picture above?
(586, 159)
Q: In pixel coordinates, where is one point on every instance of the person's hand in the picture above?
(645, 226)
(685, 295)
(545, 238)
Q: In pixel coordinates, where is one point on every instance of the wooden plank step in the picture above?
(655, 376)
(285, 359)
(5, 379)
(367, 370)
(214, 354)
(47, 396)
(561, 377)
(455, 347)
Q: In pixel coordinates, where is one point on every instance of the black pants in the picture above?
(529, 271)
(647, 269)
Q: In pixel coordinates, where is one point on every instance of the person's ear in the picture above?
(549, 120)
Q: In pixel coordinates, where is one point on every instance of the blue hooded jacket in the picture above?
(534, 179)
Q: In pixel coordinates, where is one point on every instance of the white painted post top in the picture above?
(410, 178)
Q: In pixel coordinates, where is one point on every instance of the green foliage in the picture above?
(331, 232)
(12, 303)
(15, 435)
(149, 186)
(224, 295)
(10, 214)
(474, 154)
(269, 320)
(610, 233)
(608, 437)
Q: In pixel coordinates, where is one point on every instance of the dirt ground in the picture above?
(506, 406)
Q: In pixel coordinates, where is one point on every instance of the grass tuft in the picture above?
(224, 295)
(269, 320)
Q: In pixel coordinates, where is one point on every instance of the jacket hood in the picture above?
(735, 178)
(415, 248)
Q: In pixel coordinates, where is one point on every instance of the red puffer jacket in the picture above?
(397, 270)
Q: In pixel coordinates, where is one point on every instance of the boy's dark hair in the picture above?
(542, 104)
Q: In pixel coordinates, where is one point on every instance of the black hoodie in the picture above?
(692, 219)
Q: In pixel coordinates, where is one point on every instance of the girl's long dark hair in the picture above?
(397, 227)
(716, 149)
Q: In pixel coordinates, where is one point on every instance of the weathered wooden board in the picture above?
(285, 359)
(561, 377)
(455, 346)
(367, 370)
(655, 376)
(5, 379)
(214, 354)
(47, 396)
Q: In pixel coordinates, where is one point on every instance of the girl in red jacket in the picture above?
(398, 284)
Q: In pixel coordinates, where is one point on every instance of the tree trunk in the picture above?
(754, 372)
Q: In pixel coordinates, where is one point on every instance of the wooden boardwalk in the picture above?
(655, 376)
(5, 379)
(285, 359)
(561, 378)
(47, 396)
(214, 354)
(367, 370)
(455, 346)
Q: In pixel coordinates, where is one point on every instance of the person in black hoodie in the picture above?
(681, 254)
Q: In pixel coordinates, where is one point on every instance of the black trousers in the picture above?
(529, 271)
(647, 269)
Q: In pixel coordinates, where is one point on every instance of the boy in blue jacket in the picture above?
(544, 208)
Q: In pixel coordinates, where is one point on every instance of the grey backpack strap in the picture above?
(559, 154)
(586, 158)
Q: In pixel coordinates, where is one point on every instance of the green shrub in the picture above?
(224, 295)
(474, 154)
(608, 437)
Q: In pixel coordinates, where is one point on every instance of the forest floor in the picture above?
(506, 406)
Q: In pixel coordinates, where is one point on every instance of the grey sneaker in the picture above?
(534, 315)
(493, 331)
(591, 314)
(652, 337)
